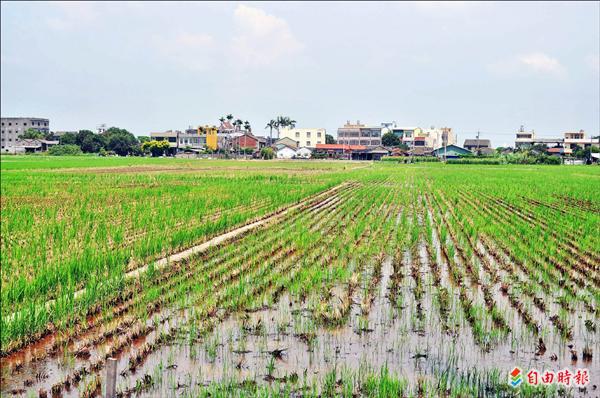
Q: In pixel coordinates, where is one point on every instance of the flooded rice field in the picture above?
(384, 286)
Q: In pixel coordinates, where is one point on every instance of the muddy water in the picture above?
(243, 346)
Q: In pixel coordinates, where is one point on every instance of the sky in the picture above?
(146, 67)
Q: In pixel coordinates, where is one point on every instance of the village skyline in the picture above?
(486, 67)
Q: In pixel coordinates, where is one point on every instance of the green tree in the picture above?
(143, 138)
(267, 153)
(93, 143)
(271, 125)
(329, 139)
(390, 139)
(82, 135)
(156, 148)
(121, 141)
(284, 121)
(68, 139)
(32, 134)
(64, 150)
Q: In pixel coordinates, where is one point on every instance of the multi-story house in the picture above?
(13, 127)
(180, 141)
(569, 142)
(305, 137)
(359, 134)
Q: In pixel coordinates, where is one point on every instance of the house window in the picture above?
(307, 143)
(24, 124)
(297, 134)
(319, 134)
(308, 134)
(318, 142)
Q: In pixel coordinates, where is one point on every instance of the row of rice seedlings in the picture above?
(568, 251)
(68, 311)
(556, 252)
(506, 280)
(468, 256)
(247, 294)
(550, 254)
(505, 236)
(51, 277)
(178, 291)
(486, 332)
(582, 232)
(333, 310)
(523, 286)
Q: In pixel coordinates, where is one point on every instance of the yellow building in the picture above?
(211, 136)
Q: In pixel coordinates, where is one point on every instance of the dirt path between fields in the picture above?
(215, 241)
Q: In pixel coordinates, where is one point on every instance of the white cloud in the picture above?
(262, 39)
(542, 63)
(534, 63)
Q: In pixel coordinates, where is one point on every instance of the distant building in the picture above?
(417, 136)
(245, 141)
(475, 144)
(569, 141)
(304, 153)
(406, 134)
(338, 151)
(286, 141)
(451, 152)
(306, 137)
(285, 152)
(31, 146)
(373, 153)
(13, 127)
(179, 141)
(359, 134)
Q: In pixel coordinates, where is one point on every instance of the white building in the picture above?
(433, 137)
(570, 140)
(285, 152)
(307, 137)
(178, 139)
(304, 153)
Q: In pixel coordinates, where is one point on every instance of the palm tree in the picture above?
(247, 126)
(281, 122)
(271, 125)
(284, 121)
(238, 123)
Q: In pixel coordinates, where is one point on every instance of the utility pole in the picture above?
(445, 138)
(477, 142)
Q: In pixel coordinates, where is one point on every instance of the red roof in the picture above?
(555, 150)
(341, 147)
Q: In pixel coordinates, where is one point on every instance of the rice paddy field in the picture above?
(284, 278)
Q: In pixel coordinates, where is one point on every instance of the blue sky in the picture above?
(157, 66)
